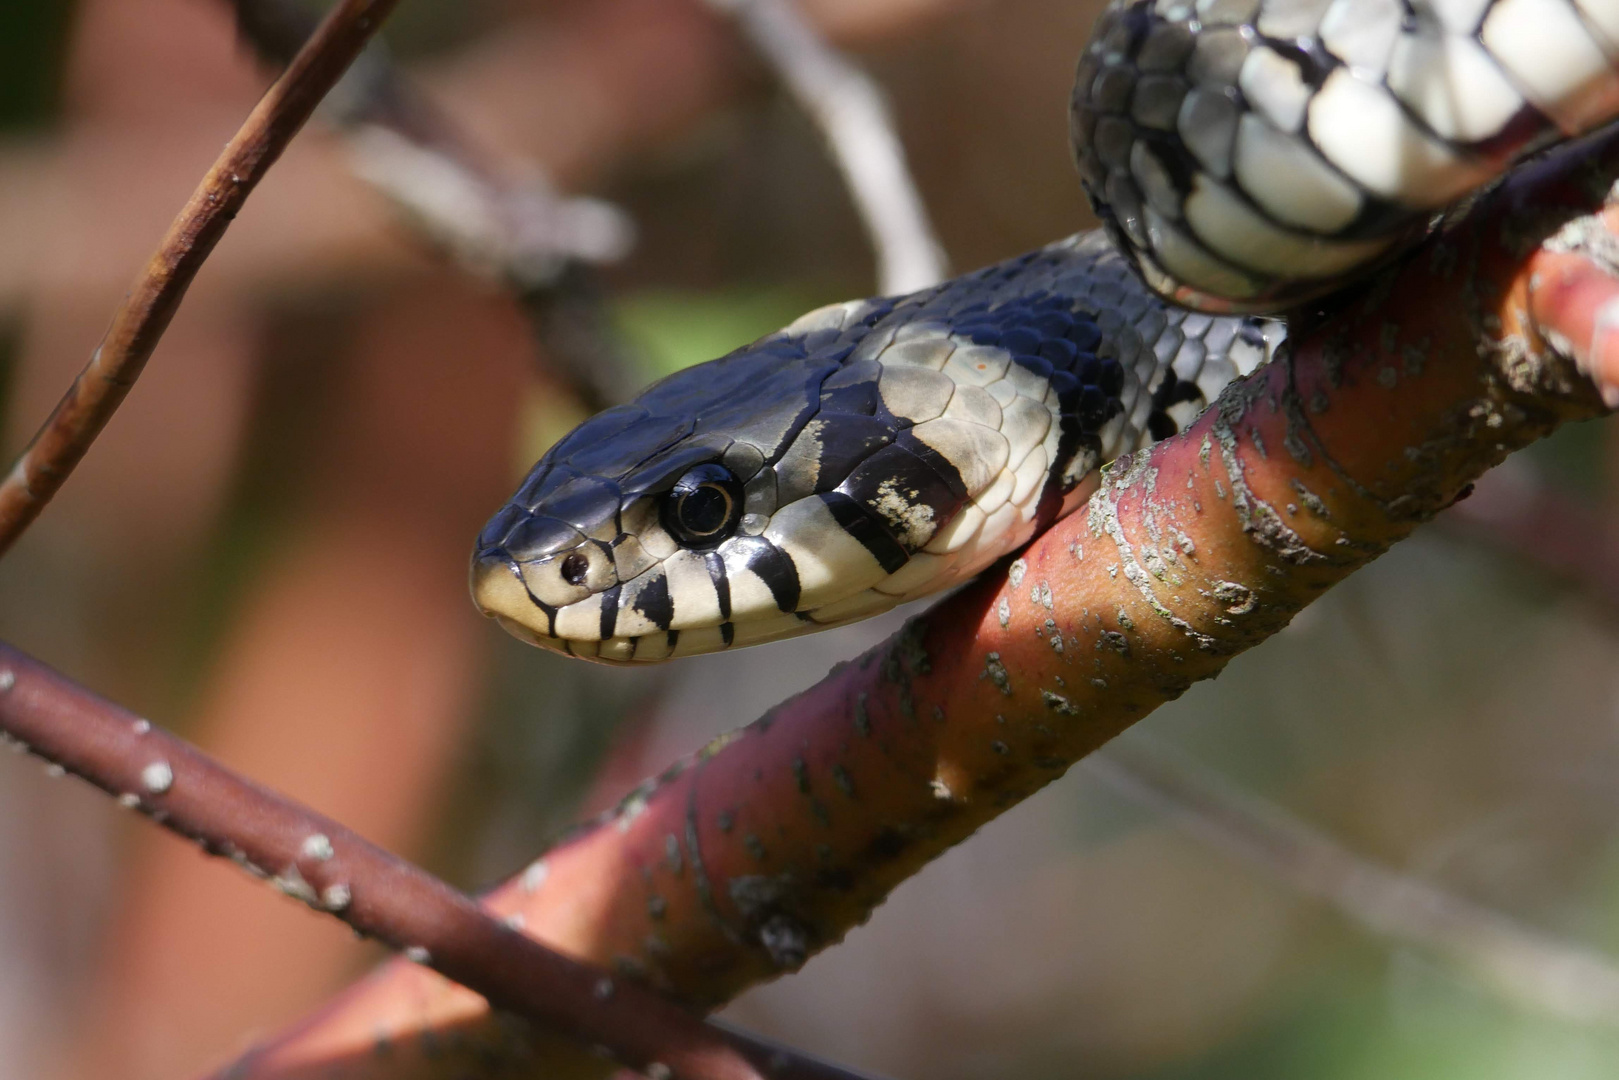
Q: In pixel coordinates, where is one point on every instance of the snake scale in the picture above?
(1244, 156)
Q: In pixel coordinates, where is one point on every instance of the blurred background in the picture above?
(266, 552)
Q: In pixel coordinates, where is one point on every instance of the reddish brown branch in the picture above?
(316, 860)
(140, 321)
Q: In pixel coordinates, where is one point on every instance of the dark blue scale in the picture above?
(1054, 325)
(1085, 335)
(1021, 340)
(858, 398)
(1060, 352)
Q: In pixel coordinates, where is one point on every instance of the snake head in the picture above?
(645, 533)
(871, 453)
(807, 480)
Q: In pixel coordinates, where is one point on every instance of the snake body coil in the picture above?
(1250, 155)
(1244, 155)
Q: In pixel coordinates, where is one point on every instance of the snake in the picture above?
(1244, 157)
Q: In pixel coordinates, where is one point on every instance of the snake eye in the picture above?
(704, 506)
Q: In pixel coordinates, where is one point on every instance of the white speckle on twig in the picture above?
(318, 847)
(157, 777)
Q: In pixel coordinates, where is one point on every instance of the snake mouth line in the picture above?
(499, 592)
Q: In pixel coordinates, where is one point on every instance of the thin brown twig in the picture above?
(320, 862)
(1518, 963)
(144, 315)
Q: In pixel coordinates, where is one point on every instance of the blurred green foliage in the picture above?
(1404, 1020)
(676, 328)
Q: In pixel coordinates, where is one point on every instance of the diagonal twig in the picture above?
(499, 217)
(144, 315)
(496, 217)
(853, 115)
(336, 872)
(1518, 963)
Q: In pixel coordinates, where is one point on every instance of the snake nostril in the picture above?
(574, 569)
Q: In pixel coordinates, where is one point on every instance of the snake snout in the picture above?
(496, 584)
(527, 568)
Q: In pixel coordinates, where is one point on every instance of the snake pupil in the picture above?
(574, 569)
(702, 508)
(704, 511)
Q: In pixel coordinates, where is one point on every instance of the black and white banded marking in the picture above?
(885, 449)
(1251, 154)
